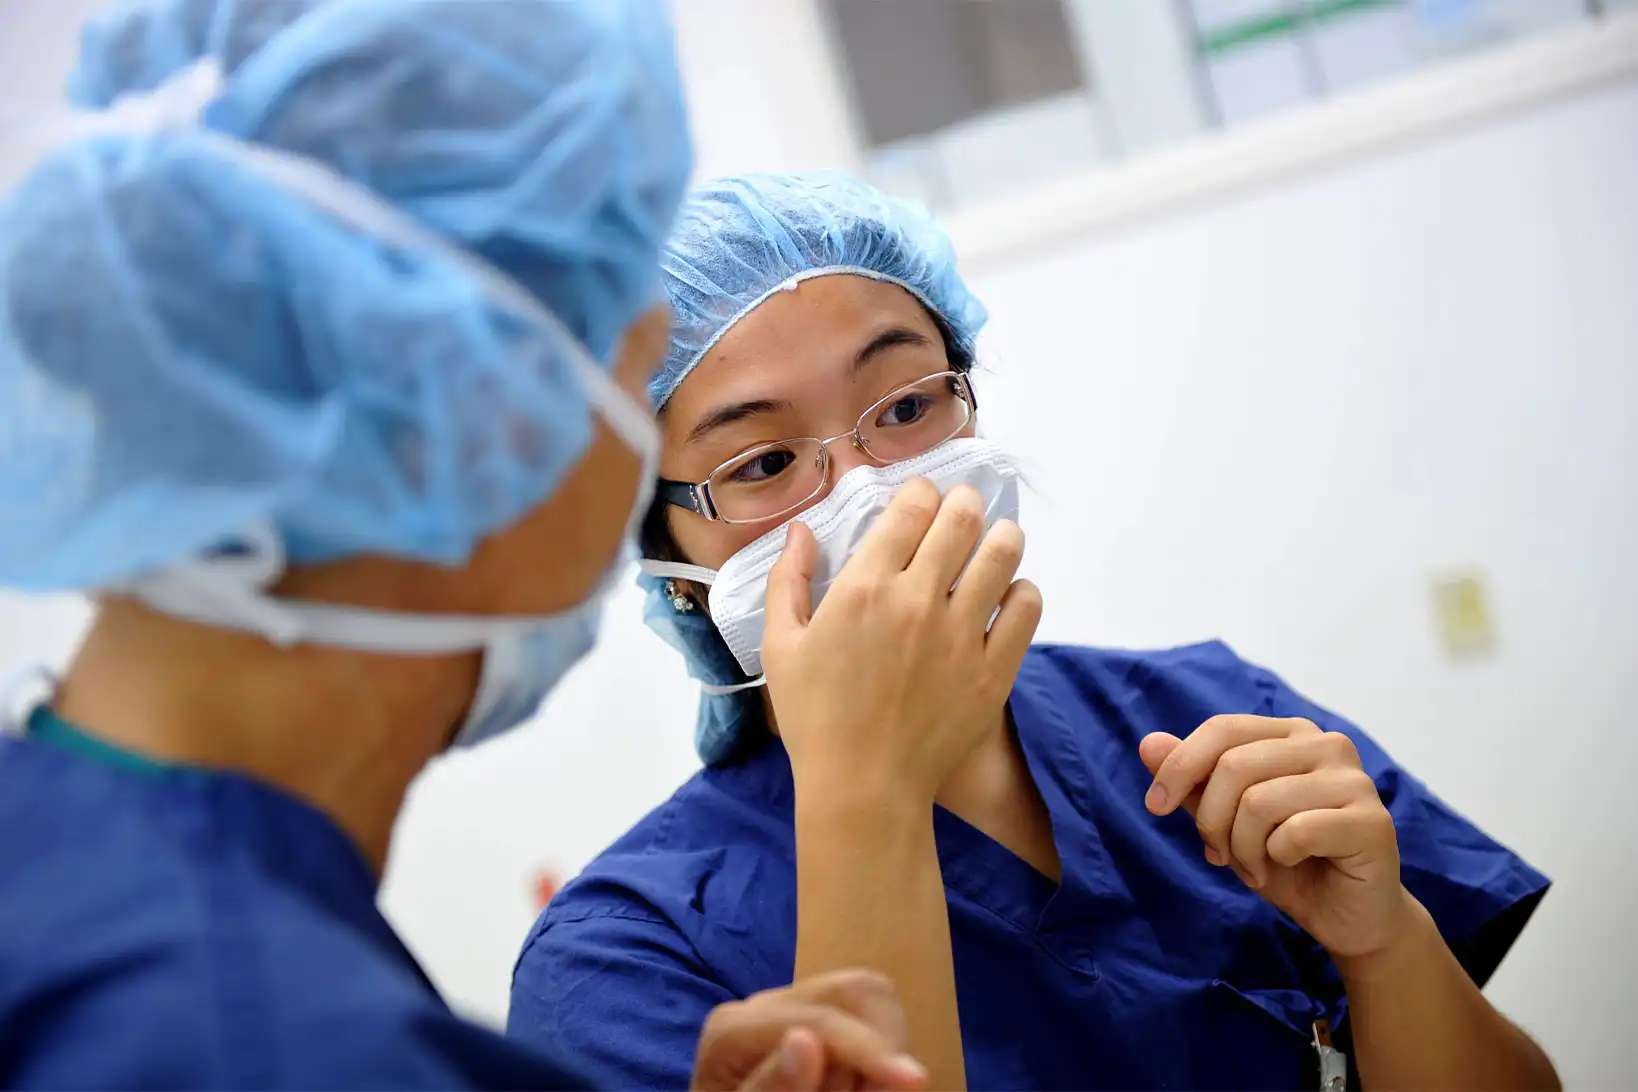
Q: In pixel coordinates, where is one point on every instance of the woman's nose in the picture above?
(845, 455)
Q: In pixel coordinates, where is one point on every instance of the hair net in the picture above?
(737, 241)
(188, 349)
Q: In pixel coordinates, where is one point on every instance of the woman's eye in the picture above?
(767, 465)
(906, 411)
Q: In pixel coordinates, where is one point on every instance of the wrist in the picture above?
(848, 844)
(855, 785)
(859, 804)
(1406, 947)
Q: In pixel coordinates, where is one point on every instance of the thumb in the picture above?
(798, 1065)
(790, 581)
(1154, 748)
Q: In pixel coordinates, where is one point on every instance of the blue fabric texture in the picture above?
(737, 241)
(168, 927)
(187, 350)
(1145, 968)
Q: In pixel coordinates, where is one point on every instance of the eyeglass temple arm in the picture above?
(686, 495)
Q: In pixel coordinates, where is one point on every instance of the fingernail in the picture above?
(1157, 800)
(1214, 857)
(790, 1061)
(908, 1068)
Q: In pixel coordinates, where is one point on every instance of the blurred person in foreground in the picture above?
(323, 335)
(1083, 868)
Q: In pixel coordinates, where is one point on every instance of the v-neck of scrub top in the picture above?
(989, 875)
(985, 873)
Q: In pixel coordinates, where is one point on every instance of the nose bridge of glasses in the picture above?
(856, 448)
(850, 434)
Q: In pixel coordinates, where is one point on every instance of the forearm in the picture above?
(870, 894)
(1419, 1022)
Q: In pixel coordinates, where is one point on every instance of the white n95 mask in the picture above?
(739, 590)
(523, 657)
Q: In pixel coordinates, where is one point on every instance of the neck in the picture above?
(345, 732)
(991, 777)
(994, 791)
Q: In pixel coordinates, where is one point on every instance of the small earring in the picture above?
(680, 603)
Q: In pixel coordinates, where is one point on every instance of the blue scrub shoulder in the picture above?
(169, 928)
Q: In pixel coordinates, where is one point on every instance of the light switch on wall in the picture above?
(1462, 615)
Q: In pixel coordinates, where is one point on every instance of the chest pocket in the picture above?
(1229, 984)
(1243, 986)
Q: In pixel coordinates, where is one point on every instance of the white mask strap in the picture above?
(228, 590)
(679, 571)
(699, 574)
(197, 594)
(710, 688)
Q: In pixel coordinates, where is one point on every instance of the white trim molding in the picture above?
(1438, 99)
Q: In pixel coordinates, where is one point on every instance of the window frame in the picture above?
(1441, 98)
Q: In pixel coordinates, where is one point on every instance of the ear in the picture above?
(699, 593)
(687, 595)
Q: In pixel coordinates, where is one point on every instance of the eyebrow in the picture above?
(723, 416)
(892, 338)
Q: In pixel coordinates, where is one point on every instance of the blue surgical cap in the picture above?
(738, 241)
(188, 350)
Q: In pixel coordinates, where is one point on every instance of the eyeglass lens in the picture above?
(771, 479)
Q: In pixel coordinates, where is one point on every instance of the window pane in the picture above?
(963, 101)
(1365, 47)
(920, 66)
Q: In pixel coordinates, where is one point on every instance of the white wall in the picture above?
(1274, 418)
(37, 43)
(1267, 419)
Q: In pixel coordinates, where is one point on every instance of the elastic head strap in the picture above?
(679, 571)
(228, 589)
(717, 691)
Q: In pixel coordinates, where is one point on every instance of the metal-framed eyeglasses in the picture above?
(771, 480)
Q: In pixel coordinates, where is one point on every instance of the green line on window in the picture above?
(1276, 24)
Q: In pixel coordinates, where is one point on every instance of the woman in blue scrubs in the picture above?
(323, 337)
(1083, 868)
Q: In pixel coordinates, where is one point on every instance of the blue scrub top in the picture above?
(1145, 968)
(163, 927)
